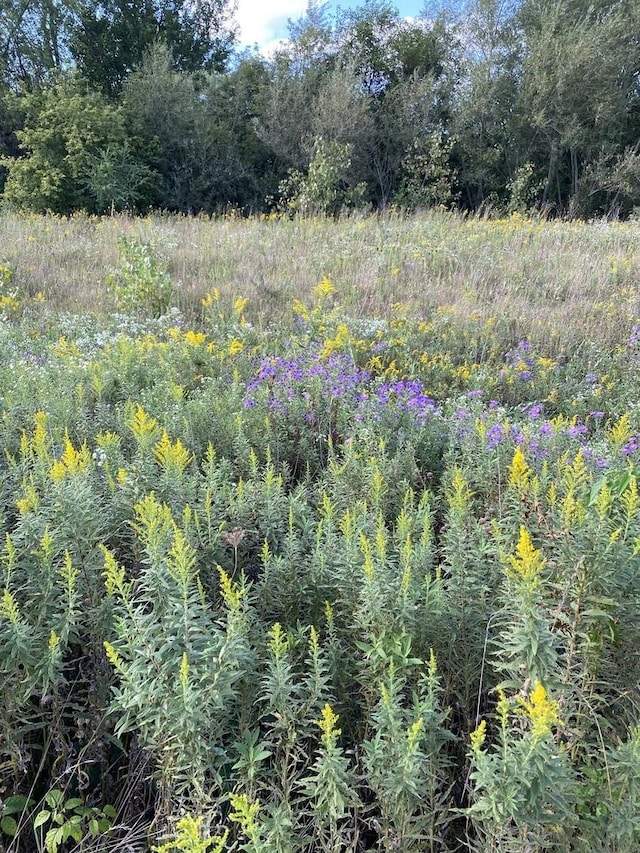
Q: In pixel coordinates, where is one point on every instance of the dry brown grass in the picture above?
(563, 282)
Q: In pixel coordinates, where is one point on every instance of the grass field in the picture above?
(319, 536)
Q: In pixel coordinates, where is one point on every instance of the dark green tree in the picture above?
(580, 95)
(111, 37)
(66, 127)
(199, 135)
(34, 40)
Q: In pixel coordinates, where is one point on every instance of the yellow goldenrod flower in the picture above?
(195, 339)
(519, 471)
(112, 655)
(144, 427)
(478, 736)
(184, 671)
(211, 297)
(327, 724)
(541, 711)
(9, 608)
(324, 289)
(231, 593)
(172, 458)
(527, 563)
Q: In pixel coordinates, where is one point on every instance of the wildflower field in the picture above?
(319, 536)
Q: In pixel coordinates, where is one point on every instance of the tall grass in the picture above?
(563, 283)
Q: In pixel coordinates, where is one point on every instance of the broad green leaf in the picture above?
(8, 826)
(41, 817)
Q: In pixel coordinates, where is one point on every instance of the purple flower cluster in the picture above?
(315, 382)
(521, 360)
(631, 446)
(634, 337)
(298, 379)
(401, 396)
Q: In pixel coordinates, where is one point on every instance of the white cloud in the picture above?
(264, 22)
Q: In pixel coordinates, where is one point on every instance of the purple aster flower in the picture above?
(495, 436)
(577, 430)
(535, 411)
(630, 446)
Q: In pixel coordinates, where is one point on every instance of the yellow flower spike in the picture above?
(184, 672)
(236, 346)
(113, 573)
(9, 555)
(339, 342)
(112, 656)
(278, 641)
(519, 471)
(365, 548)
(314, 641)
(478, 736)
(195, 339)
(144, 428)
(405, 581)
(172, 458)
(40, 440)
(432, 665)
(54, 642)
(231, 593)
(239, 305)
(527, 563)
(328, 611)
(620, 432)
(459, 494)
(324, 289)
(212, 297)
(189, 837)
(244, 813)
(30, 501)
(9, 608)
(347, 525)
(414, 733)
(301, 310)
(327, 725)
(604, 501)
(542, 712)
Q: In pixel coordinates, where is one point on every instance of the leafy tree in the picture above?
(328, 187)
(489, 145)
(373, 82)
(198, 133)
(65, 129)
(34, 40)
(579, 89)
(112, 37)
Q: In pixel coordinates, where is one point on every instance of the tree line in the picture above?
(506, 105)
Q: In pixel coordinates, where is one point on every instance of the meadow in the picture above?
(319, 535)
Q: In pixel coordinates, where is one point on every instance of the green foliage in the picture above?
(142, 283)
(189, 839)
(63, 819)
(65, 129)
(325, 189)
(428, 178)
(260, 589)
(111, 37)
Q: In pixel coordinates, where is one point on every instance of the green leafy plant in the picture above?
(142, 284)
(63, 819)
